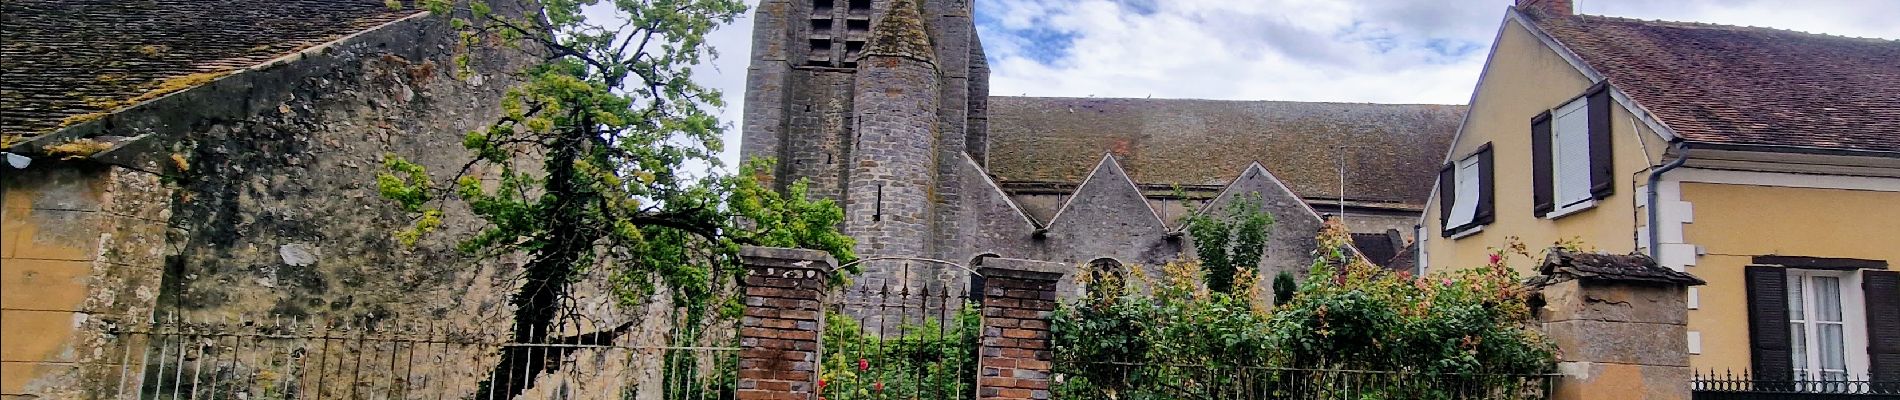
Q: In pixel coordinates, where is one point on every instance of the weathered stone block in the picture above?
(40, 380)
(57, 234)
(46, 285)
(1621, 342)
(39, 336)
(1615, 302)
(57, 186)
(1608, 381)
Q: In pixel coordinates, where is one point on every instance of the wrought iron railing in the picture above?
(1109, 380)
(286, 358)
(1745, 385)
(916, 342)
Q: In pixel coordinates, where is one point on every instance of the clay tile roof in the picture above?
(1747, 86)
(1393, 149)
(1560, 265)
(67, 60)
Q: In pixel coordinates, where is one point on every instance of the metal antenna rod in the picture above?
(1342, 183)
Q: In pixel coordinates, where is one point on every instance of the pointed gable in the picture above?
(1291, 238)
(1108, 196)
(1108, 217)
(992, 222)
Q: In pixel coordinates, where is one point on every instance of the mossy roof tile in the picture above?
(72, 60)
(1393, 150)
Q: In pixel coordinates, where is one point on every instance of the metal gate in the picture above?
(910, 339)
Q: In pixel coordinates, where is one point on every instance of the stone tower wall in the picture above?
(818, 130)
(950, 29)
(893, 180)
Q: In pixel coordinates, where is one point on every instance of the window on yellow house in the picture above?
(1465, 194)
(1824, 337)
(1571, 155)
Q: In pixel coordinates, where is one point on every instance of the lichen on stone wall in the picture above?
(77, 148)
(902, 34)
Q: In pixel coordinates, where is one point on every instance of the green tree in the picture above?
(1283, 287)
(592, 165)
(1232, 243)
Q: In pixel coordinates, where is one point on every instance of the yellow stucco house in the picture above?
(1764, 161)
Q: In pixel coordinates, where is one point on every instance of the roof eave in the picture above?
(1794, 159)
(1617, 94)
(1770, 148)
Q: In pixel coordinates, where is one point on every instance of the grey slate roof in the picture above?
(1394, 149)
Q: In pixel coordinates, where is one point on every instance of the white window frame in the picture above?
(1421, 261)
(1853, 322)
(1570, 121)
(1461, 204)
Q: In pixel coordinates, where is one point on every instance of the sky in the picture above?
(1377, 51)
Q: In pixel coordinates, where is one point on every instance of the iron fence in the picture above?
(899, 343)
(1134, 381)
(298, 359)
(1729, 385)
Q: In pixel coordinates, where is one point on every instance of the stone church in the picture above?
(884, 106)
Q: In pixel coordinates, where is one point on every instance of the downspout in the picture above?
(1655, 210)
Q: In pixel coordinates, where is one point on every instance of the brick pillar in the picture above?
(1019, 296)
(780, 330)
(1620, 325)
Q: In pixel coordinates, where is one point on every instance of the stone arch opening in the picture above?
(1106, 278)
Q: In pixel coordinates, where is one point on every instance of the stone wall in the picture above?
(888, 205)
(1619, 323)
(253, 197)
(80, 243)
(276, 210)
(818, 130)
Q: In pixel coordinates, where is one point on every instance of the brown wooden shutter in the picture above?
(1602, 173)
(1486, 212)
(1447, 193)
(1544, 199)
(1882, 291)
(1770, 338)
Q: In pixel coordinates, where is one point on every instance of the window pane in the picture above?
(1571, 153)
(1832, 357)
(1800, 350)
(1827, 298)
(1796, 309)
(1466, 205)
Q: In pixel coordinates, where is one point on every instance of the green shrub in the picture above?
(930, 360)
(1158, 338)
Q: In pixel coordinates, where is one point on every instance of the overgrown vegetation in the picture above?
(594, 167)
(931, 360)
(1229, 246)
(1162, 337)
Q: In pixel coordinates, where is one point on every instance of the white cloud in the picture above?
(1385, 51)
